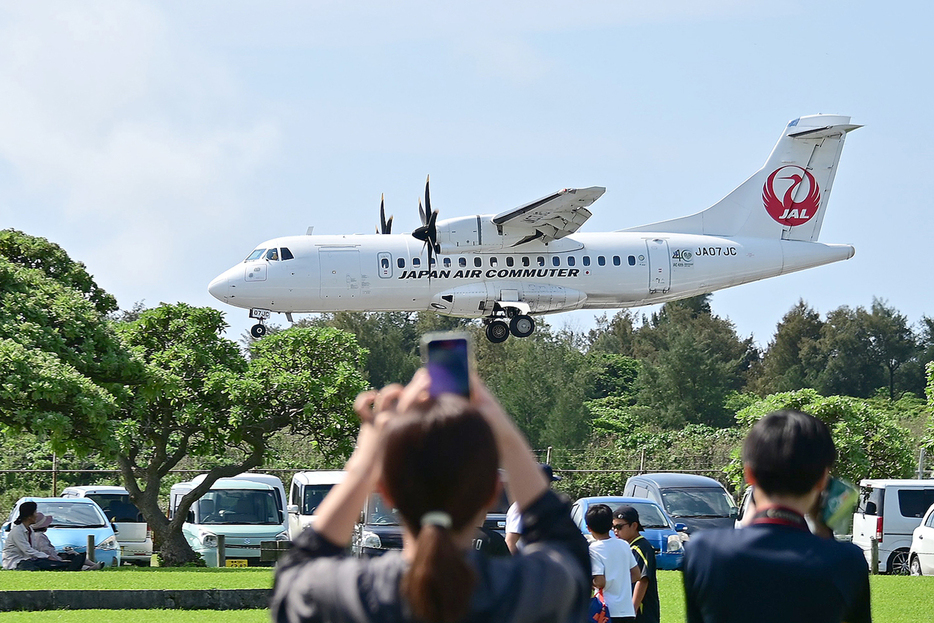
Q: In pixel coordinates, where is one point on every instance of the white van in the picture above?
(306, 492)
(133, 533)
(890, 510)
(247, 509)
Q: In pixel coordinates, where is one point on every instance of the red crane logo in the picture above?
(786, 210)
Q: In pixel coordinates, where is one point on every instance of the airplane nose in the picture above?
(220, 288)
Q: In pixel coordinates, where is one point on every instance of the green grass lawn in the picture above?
(894, 598)
(139, 578)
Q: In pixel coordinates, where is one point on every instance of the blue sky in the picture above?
(158, 142)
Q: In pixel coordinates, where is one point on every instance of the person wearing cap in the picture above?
(19, 548)
(514, 517)
(42, 543)
(614, 569)
(627, 526)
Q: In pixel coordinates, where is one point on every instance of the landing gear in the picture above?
(497, 331)
(261, 315)
(258, 330)
(508, 320)
(522, 326)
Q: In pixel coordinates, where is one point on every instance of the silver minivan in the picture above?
(889, 510)
(133, 533)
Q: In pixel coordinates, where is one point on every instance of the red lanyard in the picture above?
(780, 516)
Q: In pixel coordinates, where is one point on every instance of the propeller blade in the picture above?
(421, 213)
(427, 196)
(385, 226)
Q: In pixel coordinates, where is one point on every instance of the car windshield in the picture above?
(236, 506)
(697, 502)
(650, 516)
(117, 506)
(72, 514)
(312, 496)
(380, 513)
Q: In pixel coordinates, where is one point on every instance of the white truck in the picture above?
(305, 494)
(247, 509)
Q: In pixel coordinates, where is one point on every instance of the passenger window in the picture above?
(286, 254)
(586, 260)
(400, 262)
(493, 262)
(384, 262)
(510, 261)
(616, 260)
(540, 260)
(272, 255)
(571, 260)
(601, 260)
(416, 261)
(462, 262)
(478, 262)
(432, 261)
(526, 261)
(447, 262)
(915, 502)
(632, 260)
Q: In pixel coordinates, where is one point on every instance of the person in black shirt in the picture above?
(775, 569)
(626, 525)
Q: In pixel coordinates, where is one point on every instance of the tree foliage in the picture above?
(870, 443)
(203, 399)
(64, 371)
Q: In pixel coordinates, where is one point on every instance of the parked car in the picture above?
(889, 510)
(379, 529)
(245, 511)
(921, 553)
(667, 538)
(305, 493)
(133, 532)
(73, 520)
(697, 501)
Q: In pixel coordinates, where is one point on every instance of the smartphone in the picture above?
(837, 503)
(447, 357)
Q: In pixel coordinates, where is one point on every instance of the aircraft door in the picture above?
(385, 265)
(340, 273)
(659, 265)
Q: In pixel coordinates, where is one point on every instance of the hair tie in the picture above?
(437, 518)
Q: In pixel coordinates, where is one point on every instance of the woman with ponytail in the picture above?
(436, 461)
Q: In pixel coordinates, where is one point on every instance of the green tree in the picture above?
(64, 371)
(693, 361)
(203, 399)
(870, 443)
(793, 359)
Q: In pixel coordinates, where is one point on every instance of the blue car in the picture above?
(666, 537)
(73, 519)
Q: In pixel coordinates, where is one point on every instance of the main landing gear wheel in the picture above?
(258, 330)
(497, 331)
(522, 326)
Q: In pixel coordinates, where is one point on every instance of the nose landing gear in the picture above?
(261, 315)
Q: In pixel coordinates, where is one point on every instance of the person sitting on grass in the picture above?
(19, 551)
(42, 543)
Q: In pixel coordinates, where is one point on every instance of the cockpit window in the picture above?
(255, 255)
(272, 255)
(286, 254)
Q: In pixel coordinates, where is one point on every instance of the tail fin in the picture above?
(787, 197)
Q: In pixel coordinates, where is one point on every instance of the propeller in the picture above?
(428, 232)
(385, 227)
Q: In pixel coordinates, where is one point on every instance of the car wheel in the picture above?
(915, 566)
(898, 563)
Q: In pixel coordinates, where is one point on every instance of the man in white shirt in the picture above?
(613, 566)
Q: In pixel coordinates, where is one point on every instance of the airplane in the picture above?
(532, 260)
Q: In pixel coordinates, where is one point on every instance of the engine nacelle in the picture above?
(473, 233)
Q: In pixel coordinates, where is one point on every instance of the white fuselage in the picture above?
(581, 271)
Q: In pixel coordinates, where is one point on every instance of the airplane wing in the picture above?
(551, 217)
